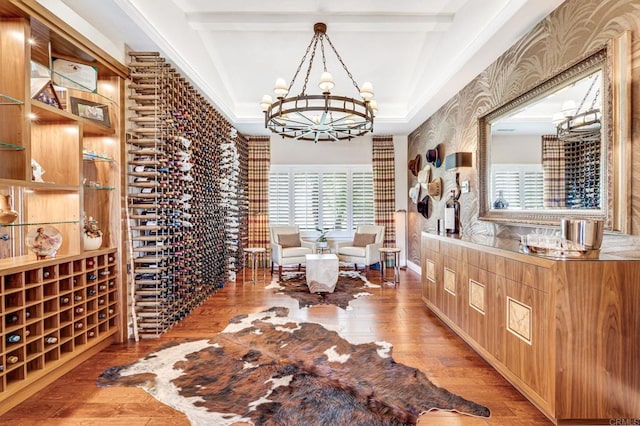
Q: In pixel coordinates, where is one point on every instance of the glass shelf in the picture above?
(100, 187)
(10, 147)
(39, 223)
(96, 157)
(8, 100)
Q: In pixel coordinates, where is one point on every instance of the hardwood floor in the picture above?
(396, 315)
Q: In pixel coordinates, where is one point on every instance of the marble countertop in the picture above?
(610, 251)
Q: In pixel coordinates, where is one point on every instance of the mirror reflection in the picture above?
(548, 154)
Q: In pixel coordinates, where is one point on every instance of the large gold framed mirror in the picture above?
(561, 149)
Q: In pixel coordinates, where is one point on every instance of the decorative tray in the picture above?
(559, 252)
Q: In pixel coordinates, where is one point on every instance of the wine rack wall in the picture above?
(582, 173)
(185, 193)
(53, 311)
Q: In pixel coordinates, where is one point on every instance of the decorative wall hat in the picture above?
(424, 176)
(434, 189)
(423, 206)
(414, 192)
(433, 156)
(415, 164)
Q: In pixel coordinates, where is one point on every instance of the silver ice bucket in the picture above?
(586, 232)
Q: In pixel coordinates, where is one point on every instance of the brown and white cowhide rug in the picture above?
(350, 286)
(270, 369)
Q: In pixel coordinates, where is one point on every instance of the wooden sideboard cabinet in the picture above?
(566, 333)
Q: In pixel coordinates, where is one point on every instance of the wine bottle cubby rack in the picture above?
(53, 310)
(185, 195)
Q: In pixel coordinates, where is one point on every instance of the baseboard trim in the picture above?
(415, 268)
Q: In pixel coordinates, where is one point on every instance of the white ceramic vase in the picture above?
(91, 243)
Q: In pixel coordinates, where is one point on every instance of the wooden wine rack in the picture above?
(185, 194)
(73, 300)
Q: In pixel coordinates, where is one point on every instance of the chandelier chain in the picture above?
(324, 59)
(342, 62)
(306, 77)
(300, 65)
(593, 104)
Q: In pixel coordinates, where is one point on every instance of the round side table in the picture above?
(388, 253)
(253, 253)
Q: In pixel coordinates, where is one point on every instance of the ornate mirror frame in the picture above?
(615, 207)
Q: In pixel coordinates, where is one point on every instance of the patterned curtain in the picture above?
(258, 193)
(384, 187)
(553, 168)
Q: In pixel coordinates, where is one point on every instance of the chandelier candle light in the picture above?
(324, 117)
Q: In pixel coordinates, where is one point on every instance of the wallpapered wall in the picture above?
(576, 28)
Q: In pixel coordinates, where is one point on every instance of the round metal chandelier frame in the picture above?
(324, 117)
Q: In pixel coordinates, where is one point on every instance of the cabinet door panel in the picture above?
(528, 334)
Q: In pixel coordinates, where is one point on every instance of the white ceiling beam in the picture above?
(351, 21)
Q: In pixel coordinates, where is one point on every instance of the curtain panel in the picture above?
(258, 192)
(553, 166)
(384, 186)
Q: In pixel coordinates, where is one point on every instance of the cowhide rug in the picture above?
(270, 369)
(350, 286)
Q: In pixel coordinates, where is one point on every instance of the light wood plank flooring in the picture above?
(396, 315)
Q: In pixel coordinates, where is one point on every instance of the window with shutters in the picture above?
(522, 185)
(335, 198)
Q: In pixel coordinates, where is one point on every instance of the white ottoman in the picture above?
(322, 272)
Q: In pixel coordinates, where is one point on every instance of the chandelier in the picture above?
(576, 124)
(324, 117)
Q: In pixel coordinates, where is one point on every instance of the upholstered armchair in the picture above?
(364, 248)
(287, 248)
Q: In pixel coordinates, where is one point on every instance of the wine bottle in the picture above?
(12, 318)
(452, 214)
(79, 310)
(50, 340)
(64, 300)
(12, 359)
(13, 338)
(78, 325)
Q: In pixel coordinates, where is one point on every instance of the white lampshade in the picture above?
(374, 106)
(280, 88)
(366, 90)
(326, 82)
(569, 108)
(266, 102)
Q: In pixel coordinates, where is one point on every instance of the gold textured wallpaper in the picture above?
(576, 28)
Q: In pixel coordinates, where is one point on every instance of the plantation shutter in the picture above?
(521, 184)
(509, 183)
(362, 198)
(334, 200)
(306, 200)
(533, 190)
(279, 198)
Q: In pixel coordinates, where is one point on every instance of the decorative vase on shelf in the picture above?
(500, 202)
(44, 241)
(92, 236)
(7, 214)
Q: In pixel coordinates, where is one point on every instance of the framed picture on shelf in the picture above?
(73, 75)
(92, 110)
(42, 90)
